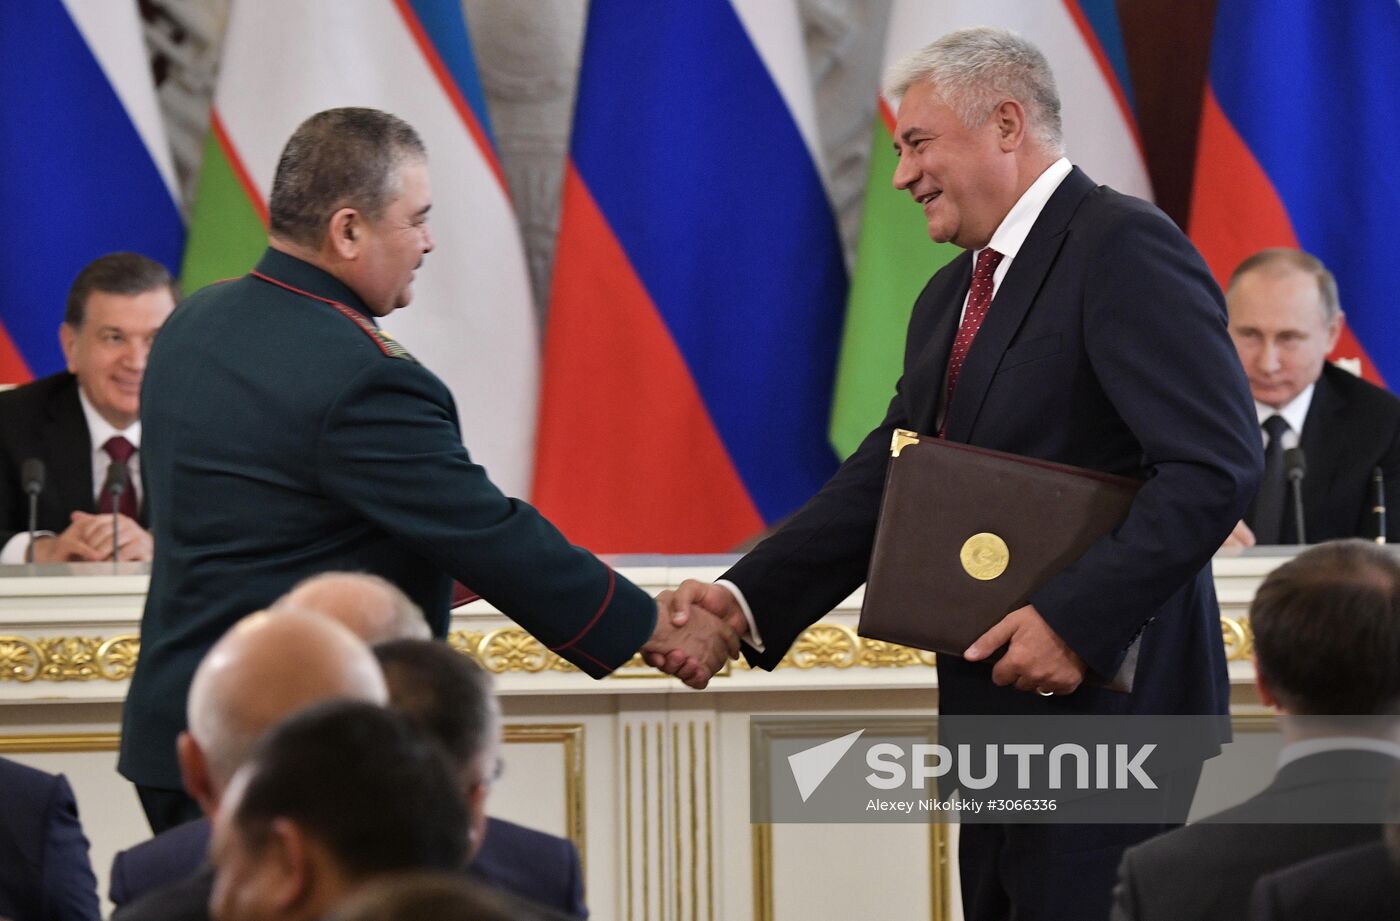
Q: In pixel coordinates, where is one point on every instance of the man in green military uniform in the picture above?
(286, 435)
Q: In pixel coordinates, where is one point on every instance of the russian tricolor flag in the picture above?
(86, 166)
(698, 283)
(1296, 149)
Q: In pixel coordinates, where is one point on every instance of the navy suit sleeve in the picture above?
(576, 905)
(70, 889)
(390, 449)
(1155, 334)
(1390, 466)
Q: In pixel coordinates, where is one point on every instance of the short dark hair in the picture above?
(339, 158)
(1327, 630)
(442, 692)
(439, 896)
(1288, 258)
(115, 273)
(364, 783)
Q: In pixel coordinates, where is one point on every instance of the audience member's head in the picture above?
(1284, 318)
(1327, 632)
(351, 195)
(435, 896)
(373, 608)
(449, 697)
(264, 669)
(115, 307)
(333, 797)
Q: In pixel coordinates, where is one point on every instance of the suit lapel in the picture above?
(69, 449)
(1013, 299)
(925, 376)
(1320, 457)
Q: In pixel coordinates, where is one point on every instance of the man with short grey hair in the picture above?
(287, 435)
(1080, 327)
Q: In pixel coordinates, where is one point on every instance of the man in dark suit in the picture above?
(450, 698)
(286, 434)
(1285, 319)
(1327, 637)
(334, 798)
(78, 421)
(267, 667)
(1360, 884)
(45, 874)
(1080, 327)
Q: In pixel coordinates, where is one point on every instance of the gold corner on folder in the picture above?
(902, 437)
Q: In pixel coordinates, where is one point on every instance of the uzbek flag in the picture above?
(472, 320)
(85, 168)
(1084, 45)
(1286, 157)
(698, 283)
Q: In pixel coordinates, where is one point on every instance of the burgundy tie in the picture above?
(120, 451)
(979, 298)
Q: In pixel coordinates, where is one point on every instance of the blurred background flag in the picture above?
(1083, 42)
(698, 283)
(472, 319)
(1286, 157)
(85, 168)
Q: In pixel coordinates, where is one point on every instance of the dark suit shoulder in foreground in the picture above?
(539, 867)
(45, 872)
(155, 863)
(1358, 884)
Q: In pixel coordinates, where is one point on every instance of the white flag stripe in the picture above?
(471, 321)
(1097, 136)
(113, 32)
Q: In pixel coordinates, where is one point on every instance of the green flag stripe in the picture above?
(893, 262)
(226, 236)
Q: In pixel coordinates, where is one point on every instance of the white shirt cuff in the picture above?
(753, 639)
(17, 548)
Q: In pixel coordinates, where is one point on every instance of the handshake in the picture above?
(698, 628)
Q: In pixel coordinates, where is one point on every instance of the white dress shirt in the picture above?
(1293, 412)
(1007, 239)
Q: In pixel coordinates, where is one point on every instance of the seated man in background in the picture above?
(1285, 318)
(1326, 641)
(450, 698)
(79, 421)
(266, 668)
(333, 798)
(45, 874)
(373, 608)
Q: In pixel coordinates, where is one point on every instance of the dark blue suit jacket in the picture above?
(45, 874)
(282, 437)
(1105, 347)
(538, 867)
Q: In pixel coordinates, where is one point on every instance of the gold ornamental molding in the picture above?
(68, 658)
(507, 650)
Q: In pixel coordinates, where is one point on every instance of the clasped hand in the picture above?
(698, 628)
(1036, 658)
(89, 539)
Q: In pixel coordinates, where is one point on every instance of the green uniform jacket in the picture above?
(283, 435)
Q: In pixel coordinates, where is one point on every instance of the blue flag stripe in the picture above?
(699, 168)
(77, 180)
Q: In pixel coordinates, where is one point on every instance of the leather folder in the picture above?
(966, 535)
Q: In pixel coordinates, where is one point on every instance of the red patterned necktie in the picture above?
(120, 451)
(979, 298)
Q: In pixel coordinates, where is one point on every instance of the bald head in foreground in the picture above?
(371, 607)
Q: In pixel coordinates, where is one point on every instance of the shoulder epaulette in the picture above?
(386, 343)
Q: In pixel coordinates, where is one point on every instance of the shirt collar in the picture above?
(1296, 750)
(1011, 234)
(99, 429)
(309, 279)
(1293, 412)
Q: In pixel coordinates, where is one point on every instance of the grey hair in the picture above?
(1280, 259)
(976, 69)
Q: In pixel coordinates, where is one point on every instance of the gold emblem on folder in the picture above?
(984, 556)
